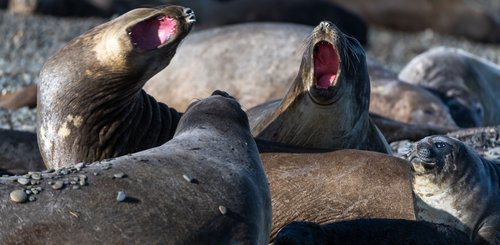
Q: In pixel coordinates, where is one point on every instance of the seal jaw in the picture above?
(326, 65)
(153, 32)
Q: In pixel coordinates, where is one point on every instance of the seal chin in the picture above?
(152, 33)
(421, 166)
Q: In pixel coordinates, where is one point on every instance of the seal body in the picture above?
(90, 102)
(456, 187)
(19, 152)
(370, 231)
(205, 186)
(327, 104)
(335, 186)
(467, 84)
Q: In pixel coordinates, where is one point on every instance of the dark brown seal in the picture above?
(338, 185)
(456, 187)
(91, 105)
(467, 84)
(19, 152)
(370, 232)
(327, 104)
(205, 186)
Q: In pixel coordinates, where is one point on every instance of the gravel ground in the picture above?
(27, 41)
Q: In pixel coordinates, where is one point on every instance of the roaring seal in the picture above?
(339, 185)
(93, 107)
(327, 104)
(467, 84)
(19, 152)
(205, 186)
(370, 231)
(456, 187)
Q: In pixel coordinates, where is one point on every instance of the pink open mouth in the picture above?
(326, 65)
(152, 33)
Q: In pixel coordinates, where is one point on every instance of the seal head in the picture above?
(90, 97)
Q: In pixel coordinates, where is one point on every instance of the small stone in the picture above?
(75, 178)
(36, 175)
(28, 192)
(121, 196)
(95, 174)
(119, 175)
(189, 179)
(73, 182)
(39, 189)
(32, 198)
(82, 182)
(34, 182)
(18, 196)
(58, 185)
(64, 172)
(50, 182)
(80, 165)
(82, 177)
(23, 181)
(223, 210)
(76, 187)
(34, 192)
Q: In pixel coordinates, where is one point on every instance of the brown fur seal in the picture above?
(205, 186)
(370, 232)
(93, 107)
(456, 187)
(467, 84)
(327, 104)
(338, 185)
(19, 152)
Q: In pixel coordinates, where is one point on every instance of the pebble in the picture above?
(23, 181)
(28, 192)
(36, 175)
(32, 198)
(223, 210)
(58, 185)
(121, 196)
(18, 196)
(119, 175)
(189, 179)
(76, 187)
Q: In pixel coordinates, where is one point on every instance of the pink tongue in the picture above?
(326, 65)
(150, 34)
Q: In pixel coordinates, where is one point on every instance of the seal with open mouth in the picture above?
(456, 187)
(327, 104)
(91, 105)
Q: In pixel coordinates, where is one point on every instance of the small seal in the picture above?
(339, 185)
(467, 84)
(212, 143)
(91, 105)
(327, 104)
(456, 187)
(371, 232)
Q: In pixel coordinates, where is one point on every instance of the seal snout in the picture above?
(189, 15)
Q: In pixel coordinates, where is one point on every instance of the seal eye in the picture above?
(440, 145)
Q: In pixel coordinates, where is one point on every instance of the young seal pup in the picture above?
(91, 105)
(456, 187)
(327, 104)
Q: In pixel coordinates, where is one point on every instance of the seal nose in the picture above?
(325, 24)
(189, 15)
(424, 151)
